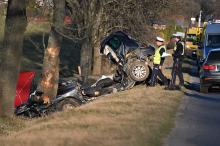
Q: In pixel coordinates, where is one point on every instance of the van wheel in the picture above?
(67, 104)
(204, 89)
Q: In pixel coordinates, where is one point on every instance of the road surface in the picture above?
(198, 120)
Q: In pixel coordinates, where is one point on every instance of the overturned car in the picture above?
(133, 61)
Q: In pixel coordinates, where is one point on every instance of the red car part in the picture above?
(23, 87)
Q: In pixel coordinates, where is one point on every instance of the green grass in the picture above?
(36, 27)
(2, 25)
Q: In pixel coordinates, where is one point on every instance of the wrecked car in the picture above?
(131, 59)
(29, 103)
(70, 94)
(133, 66)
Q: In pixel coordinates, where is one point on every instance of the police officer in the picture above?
(158, 61)
(178, 54)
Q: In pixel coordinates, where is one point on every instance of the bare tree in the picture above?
(11, 52)
(95, 19)
(50, 73)
(86, 14)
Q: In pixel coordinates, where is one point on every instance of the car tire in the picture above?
(139, 71)
(67, 104)
(204, 89)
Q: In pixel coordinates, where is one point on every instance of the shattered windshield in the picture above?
(114, 43)
(213, 41)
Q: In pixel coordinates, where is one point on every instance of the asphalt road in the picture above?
(198, 120)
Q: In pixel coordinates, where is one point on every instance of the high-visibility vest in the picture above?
(175, 47)
(157, 56)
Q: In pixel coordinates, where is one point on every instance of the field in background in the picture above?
(35, 42)
(36, 38)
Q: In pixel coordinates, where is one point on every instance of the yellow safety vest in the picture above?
(175, 47)
(157, 56)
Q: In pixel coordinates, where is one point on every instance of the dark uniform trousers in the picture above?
(177, 71)
(157, 72)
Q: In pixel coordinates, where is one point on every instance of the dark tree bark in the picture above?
(50, 74)
(92, 21)
(86, 59)
(10, 53)
(95, 40)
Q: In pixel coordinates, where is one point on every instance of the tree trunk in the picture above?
(86, 58)
(10, 53)
(97, 61)
(97, 30)
(106, 66)
(50, 74)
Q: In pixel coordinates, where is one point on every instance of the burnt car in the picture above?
(210, 71)
(132, 59)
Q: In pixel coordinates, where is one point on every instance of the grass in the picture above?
(133, 118)
(37, 28)
(2, 24)
(32, 27)
(9, 124)
(137, 117)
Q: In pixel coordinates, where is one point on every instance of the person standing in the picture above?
(158, 61)
(178, 54)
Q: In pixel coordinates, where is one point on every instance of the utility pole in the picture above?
(200, 19)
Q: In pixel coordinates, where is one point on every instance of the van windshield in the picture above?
(213, 41)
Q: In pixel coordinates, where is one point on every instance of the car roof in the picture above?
(213, 28)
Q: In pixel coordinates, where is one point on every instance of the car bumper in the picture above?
(207, 81)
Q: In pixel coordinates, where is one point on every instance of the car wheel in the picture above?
(67, 104)
(204, 89)
(139, 71)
